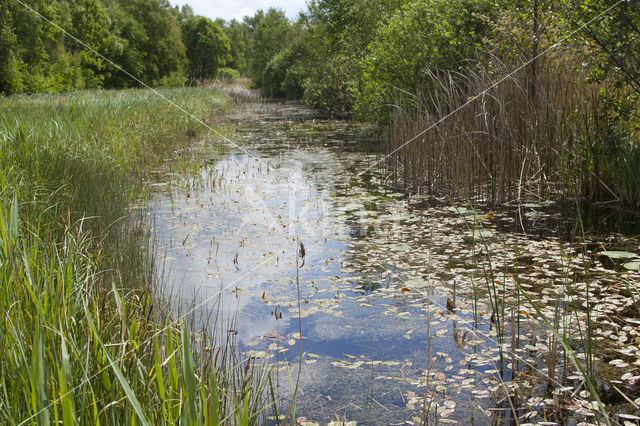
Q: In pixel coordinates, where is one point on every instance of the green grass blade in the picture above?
(214, 408)
(189, 377)
(245, 412)
(131, 396)
(572, 355)
(66, 396)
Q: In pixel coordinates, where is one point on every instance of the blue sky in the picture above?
(229, 9)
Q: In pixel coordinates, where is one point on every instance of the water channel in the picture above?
(397, 292)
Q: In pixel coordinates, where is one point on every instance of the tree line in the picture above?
(341, 56)
(55, 46)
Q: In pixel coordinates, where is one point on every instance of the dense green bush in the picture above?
(207, 47)
(282, 77)
(228, 74)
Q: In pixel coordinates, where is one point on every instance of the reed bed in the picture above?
(85, 339)
(511, 143)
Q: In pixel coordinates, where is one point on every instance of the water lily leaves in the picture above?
(539, 205)
(373, 262)
(415, 284)
(613, 254)
(461, 210)
(394, 218)
(632, 266)
(480, 233)
(350, 207)
(534, 214)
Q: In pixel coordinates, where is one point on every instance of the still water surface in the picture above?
(378, 269)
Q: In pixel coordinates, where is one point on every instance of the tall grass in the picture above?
(84, 337)
(509, 144)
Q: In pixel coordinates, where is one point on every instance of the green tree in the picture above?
(337, 36)
(90, 24)
(207, 47)
(126, 49)
(609, 32)
(38, 45)
(271, 32)
(11, 64)
(240, 39)
(155, 33)
(424, 38)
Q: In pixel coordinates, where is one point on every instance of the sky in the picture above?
(229, 9)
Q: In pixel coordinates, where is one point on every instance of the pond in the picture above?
(405, 308)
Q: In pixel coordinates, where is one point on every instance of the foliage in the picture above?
(271, 32)
(228, 74)
(609, 33)
(337, 38)
(141, 36)
(282, 76)
(423, 38)
(85, 337)
(163, 50)
(207, 47)
(240, 38)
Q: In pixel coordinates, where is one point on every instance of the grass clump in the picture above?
(84, 339)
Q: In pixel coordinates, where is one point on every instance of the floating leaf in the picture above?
(618, 254)
(633, 266)
(480, 233)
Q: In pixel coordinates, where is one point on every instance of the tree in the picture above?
(90, 24)
(10, 61)
(424, 38)
(207, 47)
(337, 36)
(271, 33)
(240, 39)
(610, 33)
(155, 33)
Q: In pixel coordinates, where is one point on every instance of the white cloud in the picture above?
(230, 9)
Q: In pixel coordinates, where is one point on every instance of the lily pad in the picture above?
(364, 213)
(539, 205)
(366, 220)
(612, 254)
(462, 210)
(480, 233)
(395, 218)
(415, 283)
(534, 214)
(633, 266)
(350, 207)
